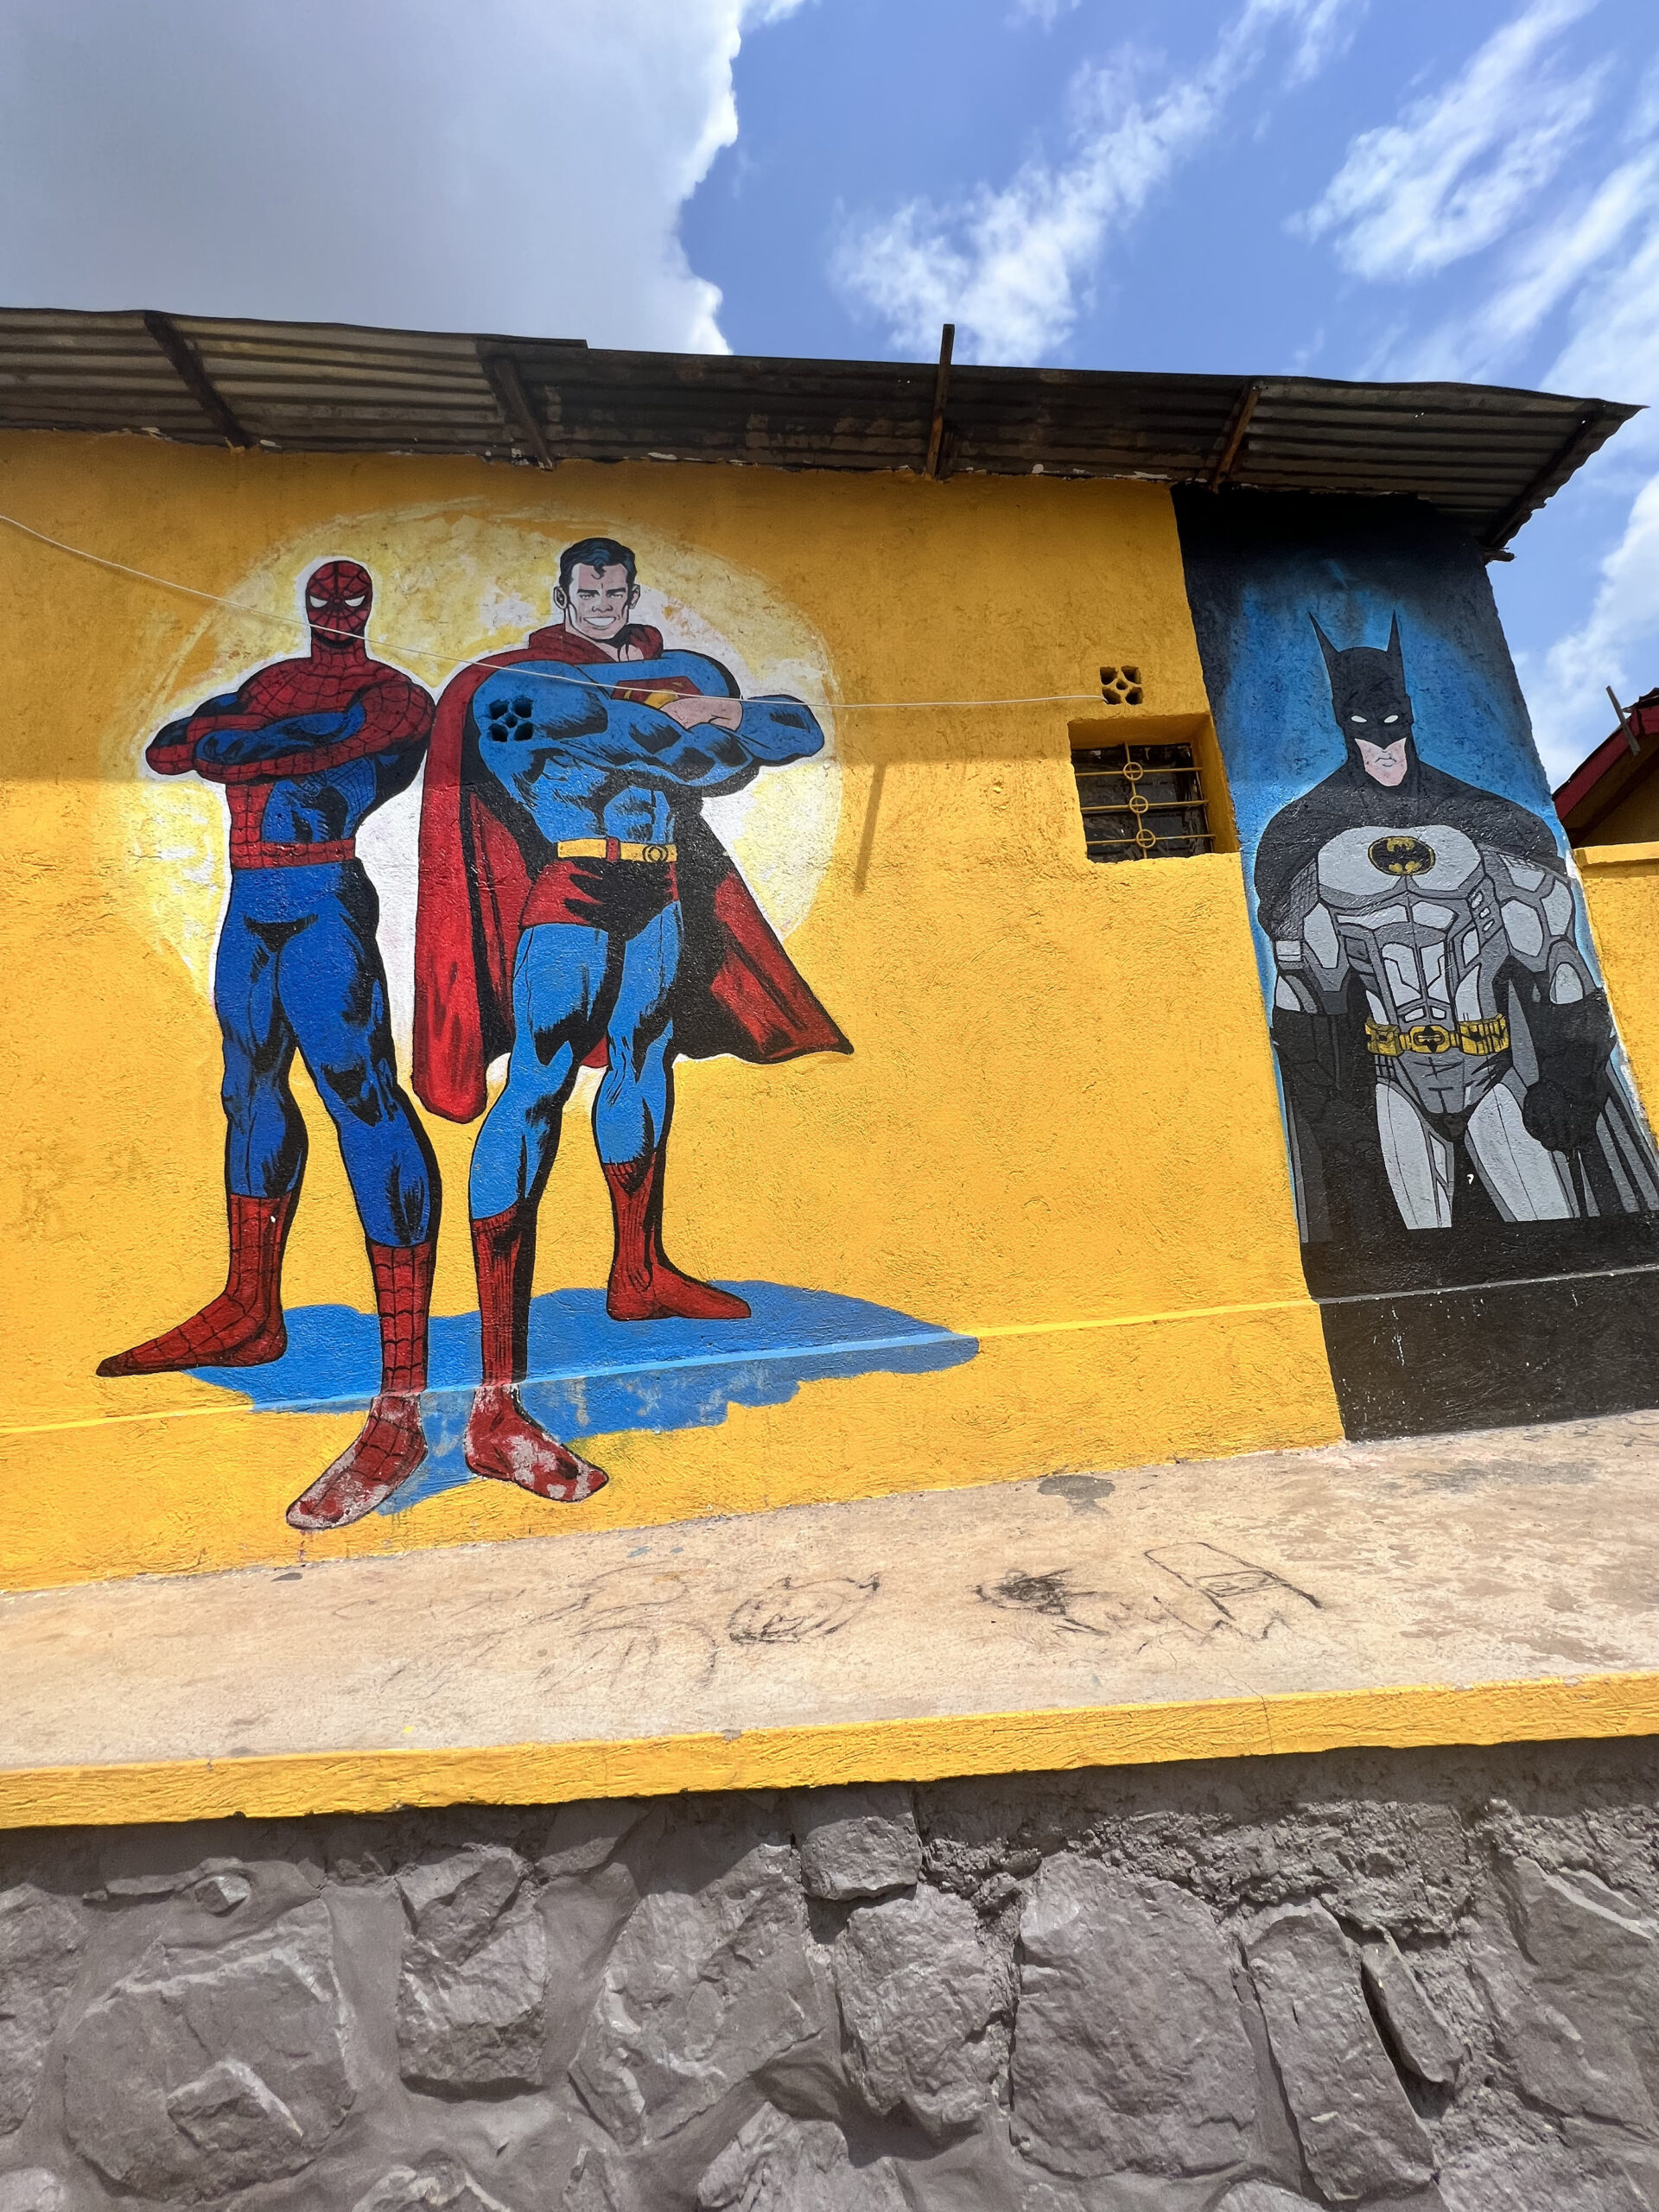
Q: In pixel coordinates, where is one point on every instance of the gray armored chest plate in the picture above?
(1427, 919)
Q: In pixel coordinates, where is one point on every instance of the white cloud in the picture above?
(1011, 266)
(1613, 350)
(507, 165)
(1545, 267)
(1570, 712)
(1451, 175)
(1459, 173)
(1325, 30)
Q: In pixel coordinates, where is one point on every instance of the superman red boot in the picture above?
(645, 1285)
(390, 1444)
(243, 1326)
(502, 1441)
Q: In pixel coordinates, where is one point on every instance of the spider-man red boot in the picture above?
(390, 1444)
(243, 1326)
(645, 1285)
(502, 1441)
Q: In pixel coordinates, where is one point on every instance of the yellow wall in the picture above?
(1620, 889)
(1044, 1137)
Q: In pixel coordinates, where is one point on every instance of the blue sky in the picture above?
(1347, 187)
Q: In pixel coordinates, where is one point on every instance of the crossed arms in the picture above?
(649, 722)
(244, 737)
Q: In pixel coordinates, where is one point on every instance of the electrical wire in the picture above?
(457, 660)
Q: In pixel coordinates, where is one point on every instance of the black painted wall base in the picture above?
(1491, 1355)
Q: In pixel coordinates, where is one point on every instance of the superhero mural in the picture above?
(306, 749)
(1457, 1107)
(575, 908)
(1431, 1001)
(564, 907)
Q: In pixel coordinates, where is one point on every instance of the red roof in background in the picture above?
(1643, 716)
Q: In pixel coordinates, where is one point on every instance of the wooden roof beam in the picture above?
(188, 364)
(518, 412)
(941, 393)
(1233, 436)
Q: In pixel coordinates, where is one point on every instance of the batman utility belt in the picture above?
(612, 849)
(1480, 1039)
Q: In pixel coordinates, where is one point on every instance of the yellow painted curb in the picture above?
(1629, 858)
(289, 1785)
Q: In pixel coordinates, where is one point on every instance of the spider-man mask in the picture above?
(338, 596)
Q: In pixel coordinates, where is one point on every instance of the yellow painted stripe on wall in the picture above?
(1418, 1716)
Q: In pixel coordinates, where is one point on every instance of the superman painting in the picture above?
(576, 909)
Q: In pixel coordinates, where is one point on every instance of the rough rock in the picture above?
(589, 2187)
(39, 1955)
(123, 1889)
(221, 1893)
(1577, 2010)
(1358, 2132)
(1520, 1885)
(858, 1843)
(1129, 2053)
(702, 1989)
(779, 2165)
(32, 2188)
(1534, 2178)
(924, 2006)
(1418, 2034)
(203, 2070)
(439, 2184)
(1261, 2197)
(229, 2106)
(474, 1977)
(581, 1838)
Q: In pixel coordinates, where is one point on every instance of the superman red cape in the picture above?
(737, 990)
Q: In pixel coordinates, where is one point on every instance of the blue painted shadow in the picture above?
(593, 1377)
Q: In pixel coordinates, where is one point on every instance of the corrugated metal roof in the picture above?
(1487, 455)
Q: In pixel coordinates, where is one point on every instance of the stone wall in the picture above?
(1387, 1980)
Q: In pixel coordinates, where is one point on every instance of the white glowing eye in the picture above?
(1355, 718)
(358, 602)
(1387, 719)
(319, 604)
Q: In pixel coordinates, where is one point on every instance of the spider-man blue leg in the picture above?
(331, 987)
(264, 1136)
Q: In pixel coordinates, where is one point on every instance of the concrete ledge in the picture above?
(1472, 1589)
(299, 1783)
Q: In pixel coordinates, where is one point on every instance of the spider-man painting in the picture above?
(305, 750)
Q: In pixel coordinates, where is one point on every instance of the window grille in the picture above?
(1141, 802)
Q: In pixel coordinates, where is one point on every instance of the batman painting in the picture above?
(1441, 1037)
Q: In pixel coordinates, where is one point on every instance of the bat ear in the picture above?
(1396, 658)
(1332, 653)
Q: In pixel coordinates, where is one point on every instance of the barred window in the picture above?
(1141, 802)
